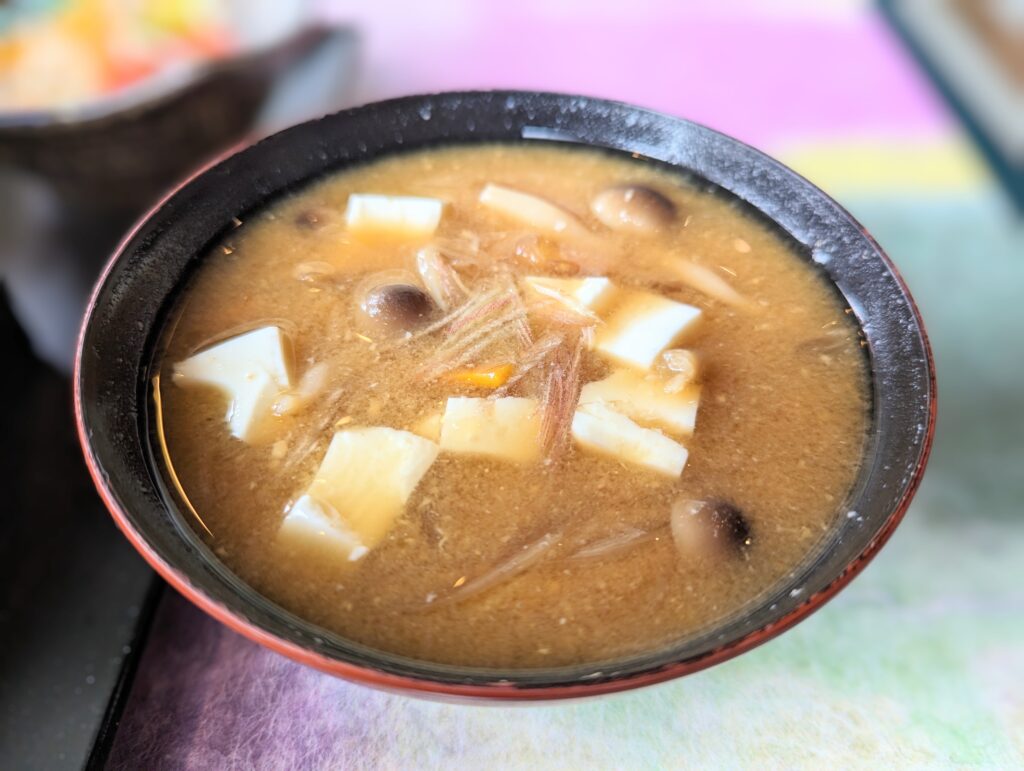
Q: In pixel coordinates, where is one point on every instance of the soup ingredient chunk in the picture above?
(251, 369)
(684, 367)
(397, 216)
(493, 376)
(312, 525)
(507, 428)
(312, 383)
(709, 527)
(708, 282)
(440, 278)
(361, 487)
(590, 293)
(635, 208)
(642, 325)
(644, 399)
(398, 307)
(530, 210)
(596, 427)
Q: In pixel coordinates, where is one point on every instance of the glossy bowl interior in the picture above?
(123, 325)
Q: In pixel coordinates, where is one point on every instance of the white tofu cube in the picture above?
(309, 524)
(595, 427)
(644, 400)
(530, 210)
(361, 487)
(592, 292)
(250, 369)
(507, 428)
(642, 325)
(399, 216)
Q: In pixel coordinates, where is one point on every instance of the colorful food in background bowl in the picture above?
(106, 103)
(504, 418)
(55, 56)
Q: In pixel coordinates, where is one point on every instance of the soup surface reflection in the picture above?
(511, 405)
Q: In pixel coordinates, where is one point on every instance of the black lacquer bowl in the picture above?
(123, 324)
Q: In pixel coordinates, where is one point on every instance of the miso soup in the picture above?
(511, 405)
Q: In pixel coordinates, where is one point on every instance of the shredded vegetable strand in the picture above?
(524, 335)
(299, 455)
(488, 332)
(483, 310)
(613, 544)
(487, 336)
(457, 314)
(559, 396)
(533, 357)
(472, 334)
(523, 559)
(495, 317)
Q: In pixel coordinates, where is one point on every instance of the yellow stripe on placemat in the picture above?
(856, 165)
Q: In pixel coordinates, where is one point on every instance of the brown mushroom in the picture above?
(709, 527)
(397, 307)
(635, 208)
(310, 219)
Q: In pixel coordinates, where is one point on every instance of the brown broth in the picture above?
(780, 428)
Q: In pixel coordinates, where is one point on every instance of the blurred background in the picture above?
(909, 112)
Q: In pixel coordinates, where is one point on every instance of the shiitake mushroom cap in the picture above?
(395, 308)
(710, 527)
(636, 208)
(729, 524)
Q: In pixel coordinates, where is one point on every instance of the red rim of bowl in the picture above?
(497, 690)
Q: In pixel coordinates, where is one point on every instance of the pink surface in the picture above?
(768, 80)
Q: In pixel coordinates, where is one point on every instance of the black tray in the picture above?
(76, 601)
